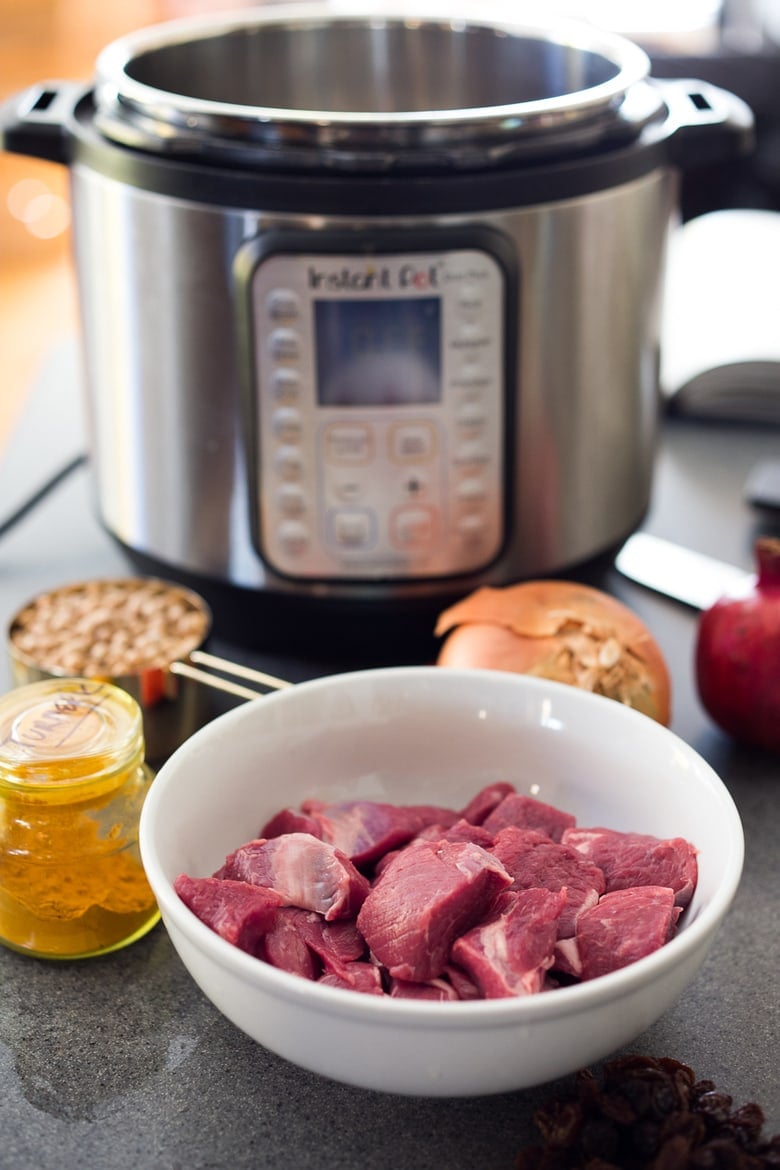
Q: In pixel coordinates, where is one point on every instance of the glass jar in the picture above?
(72, 783)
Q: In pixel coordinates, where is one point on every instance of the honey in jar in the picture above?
(72, 783)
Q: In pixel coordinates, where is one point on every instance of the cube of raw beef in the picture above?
(625, 926)
(336, 943)
(462, 830)
(331, 944)
(306, 872)
(464, 985)
(304, 943)
(534, 860)
(359, 976)
(290, 820)
(429, 893)
(510, 953)
(285, 945)
(638, 859)
(481, 805)
(528, 813)
(239, 913)
(437, 989)
(365, 830)
(566, 960)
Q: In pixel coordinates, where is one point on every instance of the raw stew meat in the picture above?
(505, 897)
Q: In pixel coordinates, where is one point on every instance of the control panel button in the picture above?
(470, 301)
(283, 304)
(471, 487)
(413, 527)
(348, 444)
(294, 537)
(351, 528)
(284, 345)
(413, 442)
(286, 384)
(288, 424)
(471, 415)
(291, 499)
(472, 451)
(470, 335)
(472, 526)
(289, 463)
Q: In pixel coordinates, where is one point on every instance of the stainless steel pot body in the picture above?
(164, 374)
(537, 165)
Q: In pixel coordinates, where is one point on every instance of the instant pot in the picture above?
(370, 303)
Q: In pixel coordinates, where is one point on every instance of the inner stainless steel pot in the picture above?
(298, 79)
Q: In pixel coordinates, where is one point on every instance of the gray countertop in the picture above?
(121, 1062)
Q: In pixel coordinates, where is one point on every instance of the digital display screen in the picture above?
(378, 352)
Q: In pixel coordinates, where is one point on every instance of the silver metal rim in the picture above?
(143, 116)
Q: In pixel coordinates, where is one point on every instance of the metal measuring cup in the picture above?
(143, 634)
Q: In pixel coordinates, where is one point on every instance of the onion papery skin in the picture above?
(737, 655)
(562, 631)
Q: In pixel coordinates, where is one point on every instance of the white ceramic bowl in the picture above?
(434, 736)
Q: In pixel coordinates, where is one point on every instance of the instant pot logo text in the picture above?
(347, 279)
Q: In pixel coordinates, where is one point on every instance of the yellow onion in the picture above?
(563, 631)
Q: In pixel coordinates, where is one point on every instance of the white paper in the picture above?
(721, 316)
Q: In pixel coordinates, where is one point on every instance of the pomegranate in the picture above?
(737, 655)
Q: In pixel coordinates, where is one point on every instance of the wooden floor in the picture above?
(43, 40)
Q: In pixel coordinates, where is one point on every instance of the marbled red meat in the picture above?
(239, 913)
(506, 897)
(637, 859)
(358, 976)
(480, 806)
(365, 830)
(307, 872)
(464, 985)
(302, 942)
(534, 861)
(285, 946)
(528, 813)
(625, 926)
(429, 894)
(461, 830)
(290, 820)
(511, 951)
(438, 989)
(336, 942)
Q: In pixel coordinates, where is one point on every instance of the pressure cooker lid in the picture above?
(313, 86)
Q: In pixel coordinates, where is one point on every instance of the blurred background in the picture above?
(733, 43)
(41, 39)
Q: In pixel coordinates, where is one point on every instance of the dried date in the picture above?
(649, 1113)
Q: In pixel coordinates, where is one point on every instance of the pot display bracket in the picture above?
(377, 413)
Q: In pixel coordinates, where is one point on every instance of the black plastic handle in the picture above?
(35, 121)
(706, 124)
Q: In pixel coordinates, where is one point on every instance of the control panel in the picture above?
(378, 411)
